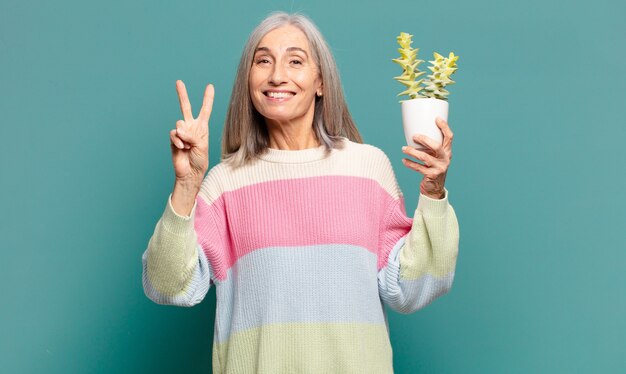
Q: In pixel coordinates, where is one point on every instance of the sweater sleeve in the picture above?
(420, 253)
(175, 268)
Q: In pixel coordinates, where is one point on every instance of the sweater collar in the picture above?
(295, 156)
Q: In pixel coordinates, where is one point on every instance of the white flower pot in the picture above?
(418, 117)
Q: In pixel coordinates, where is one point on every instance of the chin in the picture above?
(278, 116)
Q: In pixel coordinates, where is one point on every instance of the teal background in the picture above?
(537, 180)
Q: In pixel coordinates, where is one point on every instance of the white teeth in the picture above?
(279, 95)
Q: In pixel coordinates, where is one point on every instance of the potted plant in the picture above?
(428, 98)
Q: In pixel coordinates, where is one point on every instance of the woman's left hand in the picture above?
(436, 160)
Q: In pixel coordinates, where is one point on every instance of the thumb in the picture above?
(185, 136)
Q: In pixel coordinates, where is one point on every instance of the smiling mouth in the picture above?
(279, 95)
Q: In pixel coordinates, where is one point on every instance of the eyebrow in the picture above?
(290, 49)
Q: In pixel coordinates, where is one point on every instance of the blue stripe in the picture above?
(408, 296)
(319, 283)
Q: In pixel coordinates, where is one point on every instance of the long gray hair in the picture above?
(245, 133)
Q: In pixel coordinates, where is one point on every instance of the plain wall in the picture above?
(537, 178)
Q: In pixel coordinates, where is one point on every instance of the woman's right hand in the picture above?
(190, 140)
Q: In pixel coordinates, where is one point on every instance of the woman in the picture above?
(301, 227)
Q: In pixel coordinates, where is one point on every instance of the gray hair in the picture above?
(245, 134)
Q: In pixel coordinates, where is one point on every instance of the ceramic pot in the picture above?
(418, 117)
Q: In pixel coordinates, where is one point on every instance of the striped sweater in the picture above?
(304, 249)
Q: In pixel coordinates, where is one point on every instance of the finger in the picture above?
(207, 104)
(183, 99)
(414, 165)
(447, 133)
(422, 156)
(183, 131)
(185, 135)
(178, 143)
(429, 143)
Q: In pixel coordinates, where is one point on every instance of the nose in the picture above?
(278, 75)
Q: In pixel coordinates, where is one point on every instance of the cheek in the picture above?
(254, 79)
(313, 83)
(302, 79)
(253, 93)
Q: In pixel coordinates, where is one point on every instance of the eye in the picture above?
(262, 61)
(297, 62)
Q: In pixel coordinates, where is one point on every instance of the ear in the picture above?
(320, 88)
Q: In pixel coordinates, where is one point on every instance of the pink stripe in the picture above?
(397, 225)
(340, 209)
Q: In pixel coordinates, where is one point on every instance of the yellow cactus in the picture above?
(442, 68)
(409, 63)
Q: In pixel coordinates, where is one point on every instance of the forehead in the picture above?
(284, 37)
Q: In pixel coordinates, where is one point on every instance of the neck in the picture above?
(290, 137)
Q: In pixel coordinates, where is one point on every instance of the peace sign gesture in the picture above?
(436, 160)
(190, 140)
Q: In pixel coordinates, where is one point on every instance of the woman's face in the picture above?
(284, 78)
